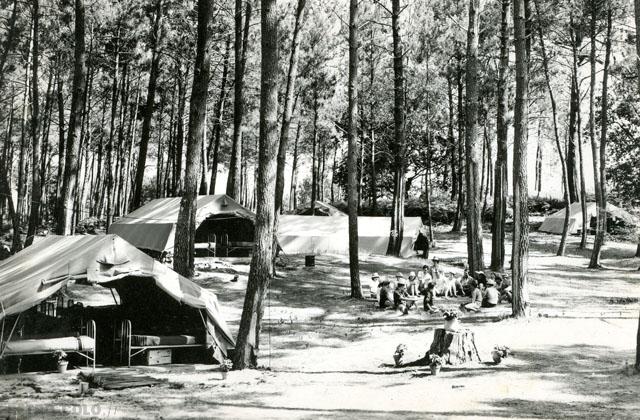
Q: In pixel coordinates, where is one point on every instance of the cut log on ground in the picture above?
(457, 347)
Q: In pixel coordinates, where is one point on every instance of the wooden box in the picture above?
(158, 357)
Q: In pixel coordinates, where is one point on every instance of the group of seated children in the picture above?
(432, 281)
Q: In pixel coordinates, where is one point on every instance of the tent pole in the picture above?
(10, 335)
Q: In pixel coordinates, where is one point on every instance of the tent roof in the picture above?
(322, 207)
(152, 226)
(37, 272)
(320, 234)
(554, 222)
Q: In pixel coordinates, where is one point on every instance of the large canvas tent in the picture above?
(152, 227)
(555, 222)
(329, 235)
(46, 267)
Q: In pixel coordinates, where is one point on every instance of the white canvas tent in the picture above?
(329, 235)
(554, 222)
(152, 227)
(39, 271)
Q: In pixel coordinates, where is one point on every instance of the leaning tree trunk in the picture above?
(601, 204)
(520, 254)
(148, 112)
(36, 175)
(352, 154)
(473, 147)
(397, 217)
(554, 113)
(500, 179)
(288, 106)
(261, 270)
(183, 261)
(65, 215)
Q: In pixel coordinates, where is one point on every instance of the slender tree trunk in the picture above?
(24, 143)
(182, 92)
(457, 221)
(261, 271)
(601, 227)
(12, 33)
(520, 254)
(5, 183)
(48, 109)
(637, 19)
(397, 216)
(352, 154)
(61, 134)
(314, 157)
(473, 147)
(234, 182)
(583, 188)
(112, 129)
(183, 262)
(36, 175)
(288, 106)
(554, 114)
(148, 112)
(452, 142)
(294, 172)
(218, 118)
(65, 216)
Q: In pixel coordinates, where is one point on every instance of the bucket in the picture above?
(62, 366)
(309, 260)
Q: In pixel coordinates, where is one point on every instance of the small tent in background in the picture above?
(615, 216)
(329, 235)
(322, 209)
(152, 296)
(223, 227)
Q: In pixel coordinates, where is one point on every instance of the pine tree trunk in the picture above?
(23, 160)
(352, 153)
(293, 204)
(520, 254)
(149, 107)
(292, 74)
(234, 182)
(183, 262)
(554, 113)
(457, 221)
(65, 216)
(248, 342)
(218, 118)
(61, 134)
(112, 129)
(601, 204)
(583, 189)
(473, 147)
(182, 98)
(314, 155)
(452, 142)
(36, 175)
(398, 148)
(5, 183)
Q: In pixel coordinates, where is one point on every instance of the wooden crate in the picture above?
(158, 357)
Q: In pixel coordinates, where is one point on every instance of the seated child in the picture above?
(504, 288)
(414, 284)
(428, 299)
(398, 302)
(490, 295)
(476, 298)
(375, 285)
(386, 295)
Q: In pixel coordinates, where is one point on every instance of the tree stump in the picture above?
(457, 347)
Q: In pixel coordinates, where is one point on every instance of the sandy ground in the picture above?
(327, 356)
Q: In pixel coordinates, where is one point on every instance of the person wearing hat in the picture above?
(491, 295)
(375, 285)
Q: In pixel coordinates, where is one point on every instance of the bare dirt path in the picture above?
(325, 355)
